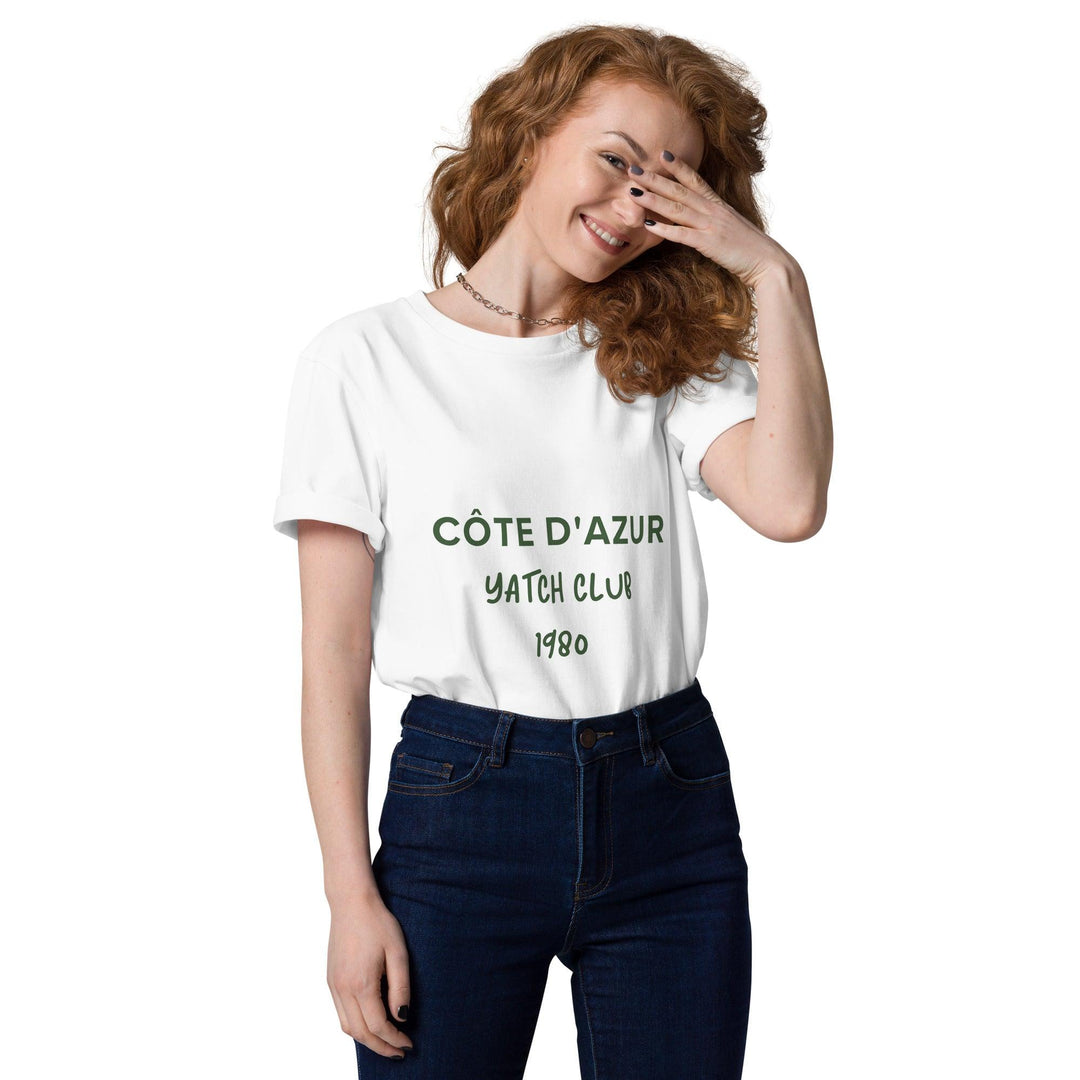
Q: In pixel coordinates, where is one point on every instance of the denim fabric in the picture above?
(611, 842)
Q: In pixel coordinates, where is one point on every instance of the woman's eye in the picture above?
(608, 157)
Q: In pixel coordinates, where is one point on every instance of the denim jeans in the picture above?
(611, 842)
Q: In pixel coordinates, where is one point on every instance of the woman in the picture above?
(489, 484)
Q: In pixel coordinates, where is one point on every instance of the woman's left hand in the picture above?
(702, 220)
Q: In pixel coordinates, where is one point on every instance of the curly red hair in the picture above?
(672, 313)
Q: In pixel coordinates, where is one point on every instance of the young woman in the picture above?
(489, 483)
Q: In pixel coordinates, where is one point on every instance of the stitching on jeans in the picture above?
(442, 768)
(703, 783)
(682, 784)
(610, 824)
(443, 735)
(606, 880)
(568, 940)
(579, 828)
(483, 746)
(467, 781)
(588, 1015)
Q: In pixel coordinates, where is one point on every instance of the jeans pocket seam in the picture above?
(470, 778)
(686, 784)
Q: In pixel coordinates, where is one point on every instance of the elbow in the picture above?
(801, 525)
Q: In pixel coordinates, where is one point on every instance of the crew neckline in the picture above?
(566, 341)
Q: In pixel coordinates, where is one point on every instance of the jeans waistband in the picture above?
(586, 738)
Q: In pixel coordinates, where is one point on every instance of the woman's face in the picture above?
(580, 174)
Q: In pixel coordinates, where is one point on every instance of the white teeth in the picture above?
(607, 237)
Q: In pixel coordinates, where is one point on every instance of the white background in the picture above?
(193, 190)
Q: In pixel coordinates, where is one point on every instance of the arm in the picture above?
(336, 574)
(774, 470)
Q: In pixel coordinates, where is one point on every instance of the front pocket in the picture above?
(428, 763)
(695, 757)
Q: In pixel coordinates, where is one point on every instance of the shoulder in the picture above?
(739, 381)
(736, 373)
(352, 344)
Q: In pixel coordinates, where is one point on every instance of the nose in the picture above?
(628, 213)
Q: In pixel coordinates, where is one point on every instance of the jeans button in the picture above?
(587, 738)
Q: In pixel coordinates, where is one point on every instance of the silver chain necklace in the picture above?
(514, 314)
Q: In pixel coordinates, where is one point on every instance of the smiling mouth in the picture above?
(602, 234)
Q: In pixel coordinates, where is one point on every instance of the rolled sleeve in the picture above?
(331, 466)
(694, 422)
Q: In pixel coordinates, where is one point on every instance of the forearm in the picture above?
(336, 738)
(789, 455)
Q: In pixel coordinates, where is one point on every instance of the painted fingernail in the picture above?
(399, 1057)
(649, 221)
(636, 191)
(403, 1012)
(667, 155)
(637, 170)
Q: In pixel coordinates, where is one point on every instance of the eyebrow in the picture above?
(634, 145)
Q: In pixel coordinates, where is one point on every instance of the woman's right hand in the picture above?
(366, 942)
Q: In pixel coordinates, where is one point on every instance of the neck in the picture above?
(517, 275)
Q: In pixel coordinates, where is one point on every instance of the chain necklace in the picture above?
(514, 314)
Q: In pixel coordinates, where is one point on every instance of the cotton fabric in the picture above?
(536, 549)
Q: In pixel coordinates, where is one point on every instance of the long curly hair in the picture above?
(672, 313)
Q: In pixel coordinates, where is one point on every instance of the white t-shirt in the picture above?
(536, 548)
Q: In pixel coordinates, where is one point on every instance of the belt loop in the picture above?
(644, 736)
(498, 743)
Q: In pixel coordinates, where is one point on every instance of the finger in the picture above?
(686, 187)
(679, 233)
(398, 991)
(362, 1032)
(675, 209)
(377, 1020)
(351, 1017)
(381, 1036)
(689, 180)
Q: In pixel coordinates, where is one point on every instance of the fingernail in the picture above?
(399, 1057)
(649, 221)
(403, 1012)
(668, 155)
(636, 191)
(637, 170)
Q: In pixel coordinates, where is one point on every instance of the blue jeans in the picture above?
(611, 842)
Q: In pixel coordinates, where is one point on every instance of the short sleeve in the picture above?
(330, 469)
(695, 422)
